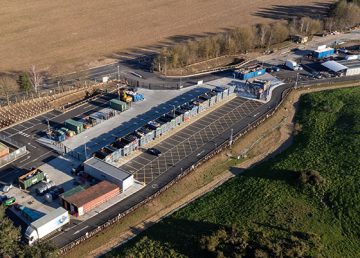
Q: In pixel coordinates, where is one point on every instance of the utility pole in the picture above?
(118, 72)
(165, 65)
(231, 136)
(48, 124)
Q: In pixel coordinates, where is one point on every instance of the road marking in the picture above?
(32, 145)
(78, 231)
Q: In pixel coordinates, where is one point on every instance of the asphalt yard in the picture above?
(191, 139)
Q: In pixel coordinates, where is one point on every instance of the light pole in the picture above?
(85, 151)
(118, 72)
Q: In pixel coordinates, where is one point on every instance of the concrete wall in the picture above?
(128, 182)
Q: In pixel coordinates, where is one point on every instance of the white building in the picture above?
(348, 67)
(104, 171)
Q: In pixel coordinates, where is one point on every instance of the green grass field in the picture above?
(304, 202)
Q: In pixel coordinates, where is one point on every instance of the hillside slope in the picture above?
(305, 201)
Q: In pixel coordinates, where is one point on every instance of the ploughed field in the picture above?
(304, 202)
(59, 35)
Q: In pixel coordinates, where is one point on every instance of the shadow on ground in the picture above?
(283, 12)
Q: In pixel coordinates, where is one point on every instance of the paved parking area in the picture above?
(189, 140)
(155, 104)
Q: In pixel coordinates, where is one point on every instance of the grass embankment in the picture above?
(305, 201)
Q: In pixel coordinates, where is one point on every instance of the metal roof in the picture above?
(350, 63)
(107, 169)
(334, 66)
(48, 217)
(93, 192)
(72, 191)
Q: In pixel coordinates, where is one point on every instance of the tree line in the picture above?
(27, 82)
(11, 246)
(343, 14)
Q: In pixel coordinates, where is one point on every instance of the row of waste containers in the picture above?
(123, 146)
(73, 127)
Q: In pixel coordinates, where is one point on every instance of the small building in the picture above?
(82, 201)
(4, 150)
(345, 67)
(323, 51)
(104, 171)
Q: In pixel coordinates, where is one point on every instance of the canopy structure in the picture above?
(334, 66)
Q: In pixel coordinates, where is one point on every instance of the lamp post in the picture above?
(85, 149)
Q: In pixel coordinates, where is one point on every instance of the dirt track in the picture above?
(71, 33)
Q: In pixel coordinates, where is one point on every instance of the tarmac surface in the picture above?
(190, 140)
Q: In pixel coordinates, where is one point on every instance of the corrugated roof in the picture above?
(350, 63)
(81, 198)
(72, 191)
(334, 66)
(107, 169)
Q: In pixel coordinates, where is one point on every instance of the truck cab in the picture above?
(31, 235)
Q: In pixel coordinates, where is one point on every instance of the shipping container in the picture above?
(75, 126)
(59, 136)
(319, 54)
(248, 74)
(31, 178)
(118, 105)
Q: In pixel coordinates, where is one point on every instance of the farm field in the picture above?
(303, 202)
(62, 36)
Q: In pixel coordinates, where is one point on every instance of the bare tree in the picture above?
(263, 31)
(329, 24)
(8, 86)
(36, 78)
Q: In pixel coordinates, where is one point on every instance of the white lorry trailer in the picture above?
(47, 224)
(292, 65)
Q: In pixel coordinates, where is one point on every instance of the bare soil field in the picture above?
(66, 35)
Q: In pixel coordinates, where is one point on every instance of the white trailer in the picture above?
(292, 65)
(47, 224)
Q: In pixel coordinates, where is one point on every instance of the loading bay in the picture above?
(190, 140)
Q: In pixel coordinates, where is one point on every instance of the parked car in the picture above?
(9, 201)
(154, 151)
